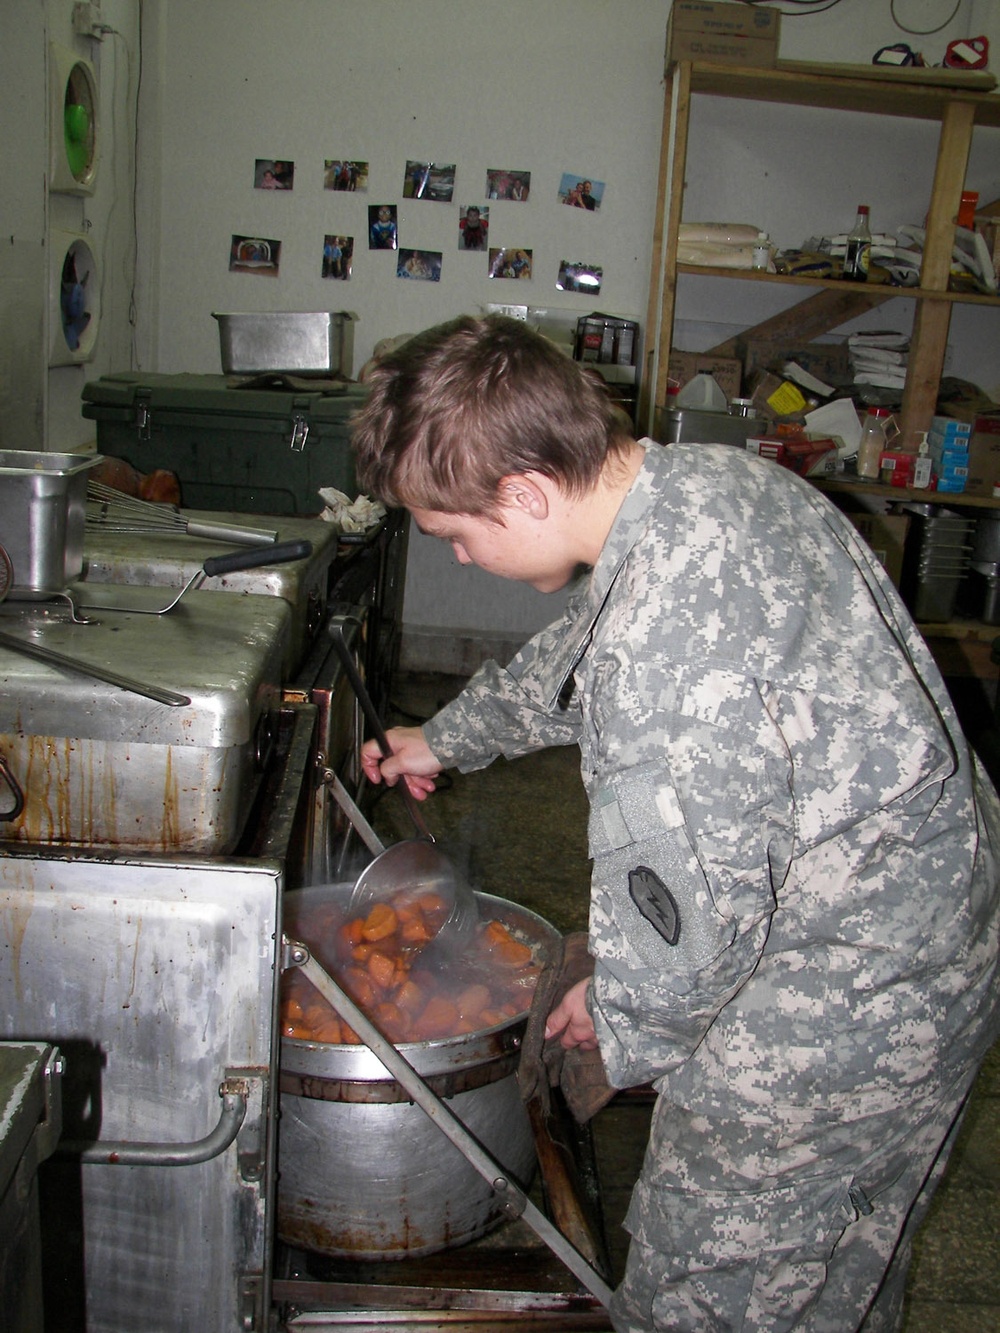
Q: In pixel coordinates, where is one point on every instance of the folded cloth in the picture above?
(350, 515)
(546, 1064)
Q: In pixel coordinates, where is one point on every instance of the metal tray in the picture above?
(102, 767)
(287, 341)
(679, 425)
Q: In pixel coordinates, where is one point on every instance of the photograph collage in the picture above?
(435, 183)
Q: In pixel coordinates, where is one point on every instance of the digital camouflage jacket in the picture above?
(794, 899)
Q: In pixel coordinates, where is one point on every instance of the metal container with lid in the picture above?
(109, 768)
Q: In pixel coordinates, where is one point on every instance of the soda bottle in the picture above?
(859, 248)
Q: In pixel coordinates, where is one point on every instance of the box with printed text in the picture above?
(722, 34)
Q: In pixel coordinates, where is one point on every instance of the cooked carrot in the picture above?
(381, 969)
(411, 997)
(350, 932)
(415, 931)
(357, 983)
(328, 1031)
(438, 1018)
(380, 922)
(472, 1000)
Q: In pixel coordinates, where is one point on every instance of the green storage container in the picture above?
(234, 447)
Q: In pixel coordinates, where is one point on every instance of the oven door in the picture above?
(157, 978)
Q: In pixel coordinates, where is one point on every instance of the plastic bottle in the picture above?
(873, 442)
(703, 393)
(967, 209)
(761, 252)
(922, 464)
(859, 248)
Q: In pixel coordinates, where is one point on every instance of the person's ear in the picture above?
(523, 492)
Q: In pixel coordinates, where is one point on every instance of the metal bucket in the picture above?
(365, 1174)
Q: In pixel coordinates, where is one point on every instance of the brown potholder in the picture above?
(545, 1064)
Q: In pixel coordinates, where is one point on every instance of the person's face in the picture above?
(515, 546)
(472, 217)
(585, 187)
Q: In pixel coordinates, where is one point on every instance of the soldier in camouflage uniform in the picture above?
(794, 910)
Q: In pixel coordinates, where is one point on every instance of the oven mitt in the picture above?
(545, 1064)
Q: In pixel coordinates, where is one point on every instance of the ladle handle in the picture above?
(374, 721)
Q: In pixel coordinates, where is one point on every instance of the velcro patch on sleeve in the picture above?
(656, 903)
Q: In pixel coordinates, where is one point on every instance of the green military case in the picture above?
(263, 445)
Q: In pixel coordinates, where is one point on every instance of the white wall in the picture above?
(542, 85)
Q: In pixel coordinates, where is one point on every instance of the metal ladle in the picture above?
(415, 865)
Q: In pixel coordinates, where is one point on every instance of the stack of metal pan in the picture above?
(935, 562)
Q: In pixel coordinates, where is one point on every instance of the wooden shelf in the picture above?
(957, 104)
(875, 490)
(898, 93)
(976, 630)
(963, 648)
(876, 293)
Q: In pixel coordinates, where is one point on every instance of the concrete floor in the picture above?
(519, 831)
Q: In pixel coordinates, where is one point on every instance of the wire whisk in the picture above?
(113, 511)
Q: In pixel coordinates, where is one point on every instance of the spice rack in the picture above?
(958, 108)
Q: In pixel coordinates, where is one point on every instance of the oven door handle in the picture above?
(235, 1094)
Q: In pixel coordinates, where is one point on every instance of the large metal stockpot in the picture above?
(366, 1174)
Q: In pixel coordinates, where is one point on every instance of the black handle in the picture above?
(357, 684)
(374, 721)
(279, 554)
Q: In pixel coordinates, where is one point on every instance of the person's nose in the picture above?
(461, 554)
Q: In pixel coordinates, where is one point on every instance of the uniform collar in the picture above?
(631, 519)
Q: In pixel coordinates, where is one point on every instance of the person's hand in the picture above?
(412, 760)
(570, 1020)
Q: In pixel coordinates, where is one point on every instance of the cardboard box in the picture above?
(726, 370)
(827, 361)
(984, 455)
(723, 34)
(776, 398)
(886, 535)
(896, 467)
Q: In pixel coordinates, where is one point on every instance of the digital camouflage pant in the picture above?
(826, 1249)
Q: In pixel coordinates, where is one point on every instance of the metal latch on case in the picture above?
(300, 433)
(143, 419)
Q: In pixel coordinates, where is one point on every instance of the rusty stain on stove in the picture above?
(17, 914)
